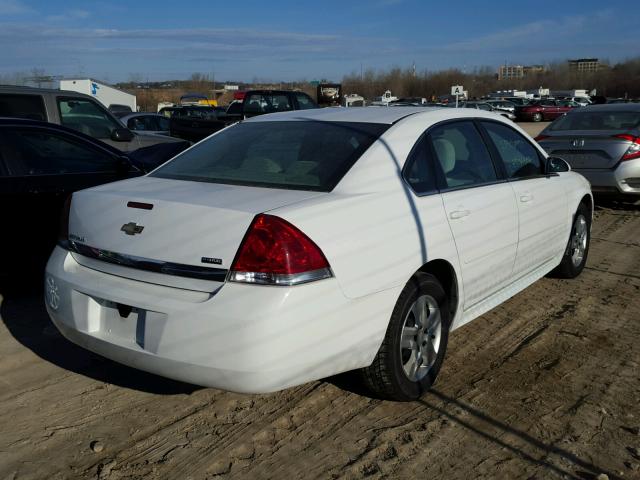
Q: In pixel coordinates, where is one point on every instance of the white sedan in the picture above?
(294, 246)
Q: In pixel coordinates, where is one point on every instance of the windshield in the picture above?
(597, 120)
(303, 155)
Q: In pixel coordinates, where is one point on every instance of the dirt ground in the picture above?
(546, 385)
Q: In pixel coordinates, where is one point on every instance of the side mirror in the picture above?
(556, 164)
(121, 135)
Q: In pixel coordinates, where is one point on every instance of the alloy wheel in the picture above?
(579, 240)
(420, 340)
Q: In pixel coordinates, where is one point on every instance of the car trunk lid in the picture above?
(584, 149)
(170, 227)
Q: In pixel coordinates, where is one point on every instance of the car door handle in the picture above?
(526, 197)
(456, 214)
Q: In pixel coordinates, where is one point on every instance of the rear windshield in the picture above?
(303, 155)
(597, 120)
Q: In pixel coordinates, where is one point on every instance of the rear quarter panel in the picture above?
(374, 230)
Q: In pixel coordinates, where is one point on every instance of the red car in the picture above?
(544, 110)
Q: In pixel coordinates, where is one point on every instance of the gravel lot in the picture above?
(547, 385)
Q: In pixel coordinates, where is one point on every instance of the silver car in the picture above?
(602, 142)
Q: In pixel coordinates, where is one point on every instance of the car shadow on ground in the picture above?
(521, 443)
(603, 202)
(23, 312)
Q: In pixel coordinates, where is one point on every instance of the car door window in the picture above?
(42, 152)
(23, 106)
(518, 156)
(163, 123)
(418, 172)
(305, 102)
(87, 117)
(462, 155)
(142, 123)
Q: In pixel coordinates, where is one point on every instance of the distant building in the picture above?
(510, 72)
(532, 70)
(585, 65)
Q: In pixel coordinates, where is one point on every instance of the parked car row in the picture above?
(194, 123)
(268, 228)
(76, 111)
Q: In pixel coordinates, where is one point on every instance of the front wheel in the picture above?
(414, 346)
(575, 255)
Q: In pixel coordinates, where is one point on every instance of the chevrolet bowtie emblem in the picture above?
(132, 228)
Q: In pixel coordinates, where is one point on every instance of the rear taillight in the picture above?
(274, 252)
(63, 231)
(633, 151)
(539, 138)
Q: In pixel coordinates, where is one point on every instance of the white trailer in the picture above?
(105, 94)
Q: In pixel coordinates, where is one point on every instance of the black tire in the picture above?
(572, 264)
(386, 376)
(537, 117)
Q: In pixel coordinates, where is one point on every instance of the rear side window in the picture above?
(23, 106)
(519, 157)
(597, 120)
(418, 172)
(142, 123)
(299, 155)
(30, 151)
(305, 102)
(163, 123)
(87, 117)
(462, 155)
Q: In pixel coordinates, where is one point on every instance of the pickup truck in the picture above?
(193, 125)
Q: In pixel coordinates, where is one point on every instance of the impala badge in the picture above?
(132, 228)
(577, 143)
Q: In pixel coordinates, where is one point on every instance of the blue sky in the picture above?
(289, 40)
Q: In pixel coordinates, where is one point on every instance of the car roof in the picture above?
(383, 115)
(141, 114)
(20, 89)
(612, 107)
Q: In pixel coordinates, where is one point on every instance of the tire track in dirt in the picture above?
(540, 387)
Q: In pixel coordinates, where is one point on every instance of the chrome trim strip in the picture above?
(140, 263)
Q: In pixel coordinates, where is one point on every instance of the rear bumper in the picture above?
(624, 179)
(243, 338)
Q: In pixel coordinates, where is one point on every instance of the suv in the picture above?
(74, 110)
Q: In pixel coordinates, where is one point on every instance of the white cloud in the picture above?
(75, 14)
(14, 7)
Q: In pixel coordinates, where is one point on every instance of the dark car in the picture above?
(540, 110)
(41, 164)
(143, 122)
(193, 122)
(119, 111)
